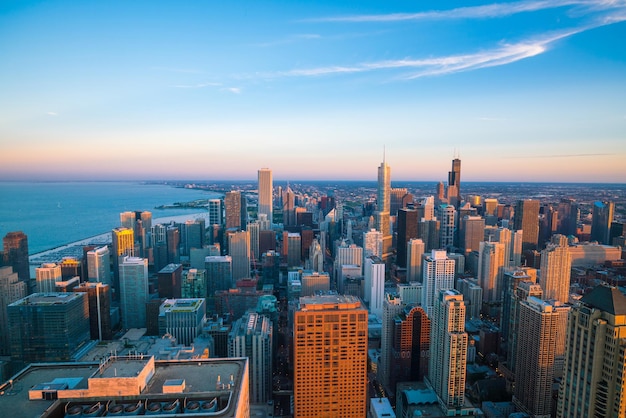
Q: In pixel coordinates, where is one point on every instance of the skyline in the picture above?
(522, 91)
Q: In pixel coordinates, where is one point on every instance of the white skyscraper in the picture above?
(47, 276)
(99, 265)
(438, 274)
(374, 272)
(448, 349)
(265, 193)
(555, 271)
(372, 243)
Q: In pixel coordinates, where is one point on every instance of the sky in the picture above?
(526, 90)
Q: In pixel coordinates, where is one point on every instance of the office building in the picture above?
(428, 231)
(415, 254)
(193, 235)
(383, 205)
(410, 293)
(314, 283)
(527, 220)
(11, 290)
(330, 374)
(447, 226)
(372, 244)
(490, 207)
(47, 327)
(193, 284)
(595, 364)
(239, 250)
(392, 306)
(47, 277)
(169, 281)
(374, 274)
(448, 349)
(214, 207)
(406, 231)
(472, 232)
(219, 275)
(316, 257)
(472, 296)
(438, 274)
(540, 354)
(454, 183)
(266, 189)
(99, 265)
(490, 270)
(255, 239)
(183, 319)
(555, 271)
(15, 254)
(251, 336)
(411, 346)
(601, 219)
(292, 248)
(99, 301)
(232, 208)
(133, 291)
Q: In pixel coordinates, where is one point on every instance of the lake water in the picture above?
(53, 214)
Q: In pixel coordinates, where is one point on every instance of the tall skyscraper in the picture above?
(447, 226)
(392, 306)
(491, 270)
(448, 349)
(522, 287)
(289, 205)
(239, 250)
(527, 219)
(11, 290)
(454, 183)
(232, 208)
(411, 345)
(374, 273)
(251, 336)
(193, 235)
(133, 291)
(99, 265)
(568, 215)
(595, 363)
(383, 203)
(601, 219)
(47, 277)
(15, 254)
(292, 248)
(372, 243)
(406, 230)
(555, 271)
(99, 301)
(438, 274)
(540, 354)
(265, 187)
(169, 280)
(123, 243)
(214, 206)
(415, 253)
(330, 374)
(219, 275)
(472, 232)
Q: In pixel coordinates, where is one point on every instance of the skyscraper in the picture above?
(232, 207)
(491, 270)
(133, 291)
(411, 345)
(265, 188)
(448, 349)
(183, 319)
(407, 230)
(215, 211)
(392, 306)
(521, 287)
(415, 252)
(372, 243)
(11, 290)
(555, 271)
(595, 364)
(99, 265)
(383, 203)
(239, 250)
(15, 254)
(123, 243)
(374, 273)
(540, 354)
(527, 219)
(99, 301)
(601, 219)
(251, 336)
(438, 274)
(330, 373)
(447, 226)
(472, 232)
(219, 275)
(454, 183)
(47, 276)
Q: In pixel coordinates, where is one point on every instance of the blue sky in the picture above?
(521, 91)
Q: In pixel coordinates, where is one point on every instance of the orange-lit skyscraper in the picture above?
(265, 187)
(527, 219)
(232, 209)
(330, 357)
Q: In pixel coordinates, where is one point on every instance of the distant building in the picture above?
(406, 231)
(169, 281)
(193, 284)
(99, 300)
(133, 291)
(266, 196)
(239, 250)
(99, 265)
(232, 207)
(15, 254)
(601, 219)
(11, 290)
(555, 271)
(183, 319)
(415, 253)
(527, 220)
(47, 277)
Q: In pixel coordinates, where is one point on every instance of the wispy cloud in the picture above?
(477, 12)
(234, 90)
(52, 113)
(196, 86)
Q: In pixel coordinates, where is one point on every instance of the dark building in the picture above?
(304, 219)
(169, 281)
(568, 214)
(454, 183)
(601, 219)
(99, 300)
(152, 316)
(232, 209)
(267, 241)
(407, 230)
(526, 218)
(411, 346)
(173, 244)
(15, 254)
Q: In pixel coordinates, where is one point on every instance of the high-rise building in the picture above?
(265, 187)
(239, 250)
(374, 273)
(11, 290)
(123, 244)
(214, 207)
(219, 275)
(47, 277)
(472, 232)
(133, 291)
(99, 300)
(447, 226)
(15, 254)
(555, 271)
(193, 284)
(289, 205)
(454, 183)
(411, 346)
(254, 230)
(173, 244)
(540, 354)
(99, 265)
(383, 204)
(316, 257)
(472, 296)
(292, 248)
(169, 281)
(392, 306)
(448, 349)
(568, 216)
(595, 363)
(415, 253)
(330, 373)
(48, 327)
(251, 336)
(314, 282)
(491, 270)
(522, 287)
(428, 231)
(406, 230)
(601, 219)
(193, 235)
(183, 319)
(232, 208)
(438, 274)
(491, 207)
(527, 219)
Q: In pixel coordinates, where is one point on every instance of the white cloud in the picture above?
(196, 86)
(235, 90)
(53, 114)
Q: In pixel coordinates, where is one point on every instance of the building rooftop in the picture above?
(333, 301)
(47, 299)
(607, 299)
